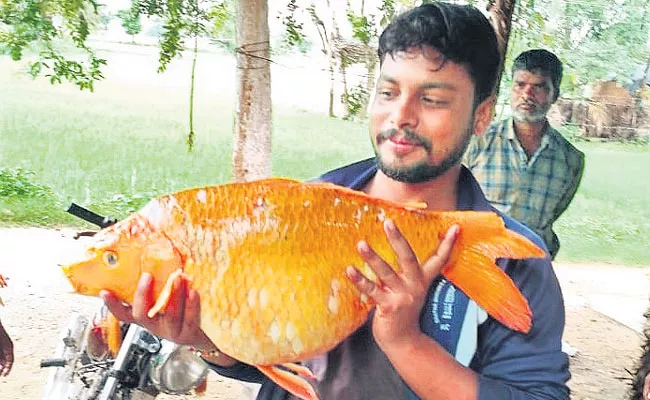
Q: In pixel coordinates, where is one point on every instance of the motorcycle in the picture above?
(84, 368)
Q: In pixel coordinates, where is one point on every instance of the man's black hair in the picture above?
(541, 62)
(460, 33)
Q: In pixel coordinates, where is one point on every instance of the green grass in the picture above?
(609, 218)
(114, 149)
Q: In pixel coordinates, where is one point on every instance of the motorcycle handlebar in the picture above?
(53, 362)
(89, 216)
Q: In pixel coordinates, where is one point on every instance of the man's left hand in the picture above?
(400, 295)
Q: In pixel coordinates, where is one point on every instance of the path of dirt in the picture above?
(604, 304)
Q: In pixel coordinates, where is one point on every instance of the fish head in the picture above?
(116, 256)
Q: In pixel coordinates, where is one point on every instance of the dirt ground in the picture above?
(38, 303)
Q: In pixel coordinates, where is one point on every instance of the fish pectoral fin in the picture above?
(290, 382)
(165, 294)
(300, 370)
(113, 334)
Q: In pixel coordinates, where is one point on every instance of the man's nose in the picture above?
(405, 114)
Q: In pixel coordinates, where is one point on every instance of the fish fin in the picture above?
(474, 272)
(415, 205)
(113, 334)
(202, 387)
(3, 281)
(300, 370)
(290, 382)
(165, 294)
(277, 180)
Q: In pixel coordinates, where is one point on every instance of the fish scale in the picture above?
(268, 259)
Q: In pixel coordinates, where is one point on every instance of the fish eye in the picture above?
(110, 259)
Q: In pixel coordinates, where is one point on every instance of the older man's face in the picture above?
(532, 96)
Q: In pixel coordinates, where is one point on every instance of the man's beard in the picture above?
(421, 171)
(537, 114)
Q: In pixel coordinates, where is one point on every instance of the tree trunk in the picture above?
(500, 16)
(252, 144)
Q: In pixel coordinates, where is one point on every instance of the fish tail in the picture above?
(475, 273)
(290, 382)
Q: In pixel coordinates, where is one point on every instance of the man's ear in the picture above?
(483, 115)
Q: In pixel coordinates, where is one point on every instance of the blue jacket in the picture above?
(510, 365)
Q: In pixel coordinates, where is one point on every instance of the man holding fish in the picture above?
(425, 339)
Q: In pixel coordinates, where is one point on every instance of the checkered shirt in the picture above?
(535, 191)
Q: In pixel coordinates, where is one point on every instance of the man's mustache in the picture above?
(408, 135)
(528, 103)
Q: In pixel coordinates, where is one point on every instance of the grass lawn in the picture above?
(114, 149)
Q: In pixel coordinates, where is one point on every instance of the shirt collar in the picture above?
(547, 133)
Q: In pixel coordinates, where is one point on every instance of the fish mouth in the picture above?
(80, 288)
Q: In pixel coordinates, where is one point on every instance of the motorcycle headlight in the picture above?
(176, 369)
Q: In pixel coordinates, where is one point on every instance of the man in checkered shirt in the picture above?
(525, 167)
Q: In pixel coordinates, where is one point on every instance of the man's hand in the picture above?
(400, 296)
(6, 352)
(179, 323)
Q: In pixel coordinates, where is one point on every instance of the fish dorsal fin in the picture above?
(412, 206)
(275, 181)
(415, 205)
(294, 384)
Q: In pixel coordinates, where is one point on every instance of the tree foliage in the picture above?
(40, 26)
(131, 19)
(596, 39)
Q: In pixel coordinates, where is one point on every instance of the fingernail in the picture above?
(363, 246)
(145, 278)
(454, 230)
(389, 225)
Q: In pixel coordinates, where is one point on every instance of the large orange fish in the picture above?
(268, 260)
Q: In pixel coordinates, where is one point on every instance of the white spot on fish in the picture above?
(202, 196)
(290, 331)
(297, 345)
(337, 201)
(264, 298)
(364, 298)
(252, 298)
(234, 328)
(365, 208)
(208, 243)
(333, 304)
(357, 216)
(275, 331)
(260, 202)
(381, 217)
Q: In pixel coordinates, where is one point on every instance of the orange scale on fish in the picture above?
(268, 259)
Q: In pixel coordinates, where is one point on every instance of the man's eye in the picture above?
(540, 88)
(385, 93)
(434, 102)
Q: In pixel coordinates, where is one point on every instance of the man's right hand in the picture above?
(179, 323)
